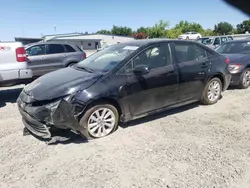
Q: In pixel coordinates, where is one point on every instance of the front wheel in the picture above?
(245, 79)
(99, 121)
(212, 92)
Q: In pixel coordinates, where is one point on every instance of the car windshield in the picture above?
(234, 47)
(206, 41)
(108, 58)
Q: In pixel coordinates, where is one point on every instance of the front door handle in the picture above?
(204, 65)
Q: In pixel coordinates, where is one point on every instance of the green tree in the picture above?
(223, 28)
(158, 30)
(103, 31)
(124, 31)
(207, 32)
(174, 33)
(142, 30)
(186, 26)
(243, 27)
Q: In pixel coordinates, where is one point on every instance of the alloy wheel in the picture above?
(101, 122)
(214, 91)
(246, 78)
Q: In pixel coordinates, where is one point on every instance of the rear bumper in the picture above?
(235, 80)
(15, 75)
(227, 81)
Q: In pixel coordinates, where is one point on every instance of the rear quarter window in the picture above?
(69, 48)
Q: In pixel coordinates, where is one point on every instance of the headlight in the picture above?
(234, 68)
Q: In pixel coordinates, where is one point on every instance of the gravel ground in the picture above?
(194, 146)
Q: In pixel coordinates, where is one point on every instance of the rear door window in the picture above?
(69, 48)
(55, 49)
(188, 52)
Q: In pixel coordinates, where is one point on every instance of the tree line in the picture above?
(162, 29)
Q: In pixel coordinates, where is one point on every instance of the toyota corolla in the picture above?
(123, 82)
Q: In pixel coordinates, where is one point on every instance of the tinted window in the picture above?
(188, 52)
(55, 49)
(223, 39)
(36, 50)
(234, 47)
(154, 57)
(217, 41)
(230, 38)
(69, 48)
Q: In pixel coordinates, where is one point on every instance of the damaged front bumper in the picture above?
(39, 116)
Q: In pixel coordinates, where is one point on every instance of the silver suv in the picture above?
(214, 41)
(49, 56)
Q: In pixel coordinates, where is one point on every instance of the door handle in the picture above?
(204, 65)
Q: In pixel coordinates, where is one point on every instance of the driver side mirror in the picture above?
(141, 69)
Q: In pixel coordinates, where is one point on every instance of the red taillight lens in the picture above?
(227, 60)
(21, 54)
(83, 55)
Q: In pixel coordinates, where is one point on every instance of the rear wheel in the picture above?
(212, 91)
(99, 121)
(187, 38)
(245, 79)
(198, 37)
(71, 64)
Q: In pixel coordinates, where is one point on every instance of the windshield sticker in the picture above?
(130, 47)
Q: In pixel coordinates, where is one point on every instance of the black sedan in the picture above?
(238, 51)
(123, 82)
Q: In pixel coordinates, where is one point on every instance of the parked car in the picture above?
(190, 36)
(213, 42)
(13, 65)
(123, 82)
(49, 56)
(238, 52)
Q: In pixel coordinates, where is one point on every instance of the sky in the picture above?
(34, 18)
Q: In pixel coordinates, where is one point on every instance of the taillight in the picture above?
(227, 60)
(21, 54)
(83, 55)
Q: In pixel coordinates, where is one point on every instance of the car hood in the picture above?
(240, 58)
(60, 83)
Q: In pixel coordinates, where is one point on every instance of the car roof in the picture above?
(50, 42)
(237, 41)
(143, 42)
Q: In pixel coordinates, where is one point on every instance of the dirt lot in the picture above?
(194, 146)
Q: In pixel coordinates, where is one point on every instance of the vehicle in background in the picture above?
(13, 65)
(123, 82)
(190, 36)
(44, 57)
(238, 51)
(214, 41)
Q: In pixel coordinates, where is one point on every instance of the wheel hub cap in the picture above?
(101, 122)
(214, 90)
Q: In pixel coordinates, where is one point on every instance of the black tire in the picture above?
(244, 85)
(71, 64)
(85, 118)
(198, 38)
(205, 99)
(187, 38)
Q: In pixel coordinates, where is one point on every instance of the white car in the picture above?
(190, 36)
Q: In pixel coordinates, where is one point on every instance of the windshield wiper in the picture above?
(86, 69)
